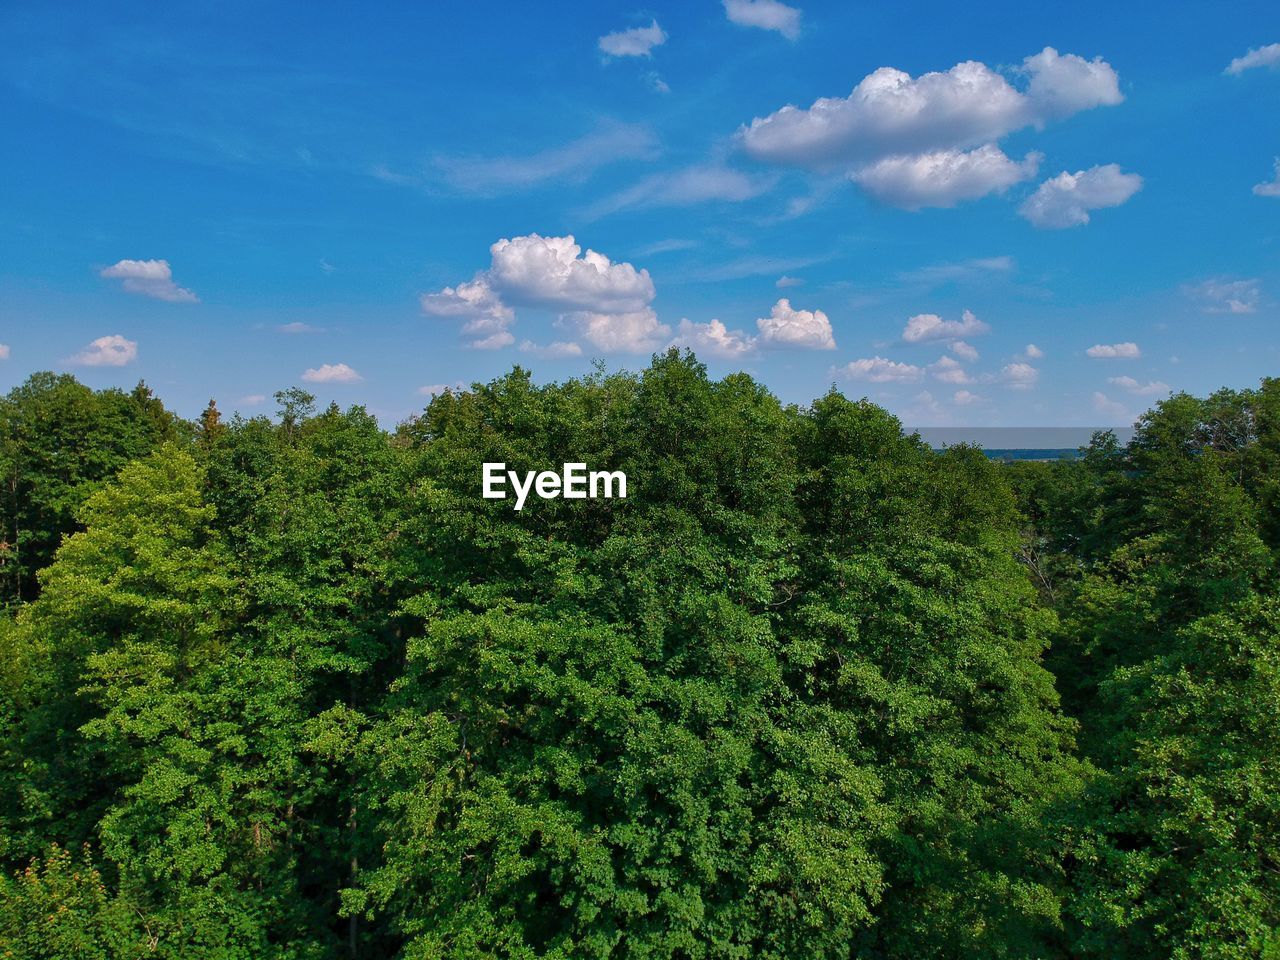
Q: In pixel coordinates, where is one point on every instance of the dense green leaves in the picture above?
(290, 688)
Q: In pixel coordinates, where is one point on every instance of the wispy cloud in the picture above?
(573, 161)
(1269, 188)
(705, 183)
(978, 268)
(1268, 56)
(1226, 296)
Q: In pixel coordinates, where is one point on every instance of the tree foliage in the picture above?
(290, 688)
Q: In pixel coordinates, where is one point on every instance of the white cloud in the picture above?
(682, 188)
(554, 272)
(1109, 408)
(575, 160)
(331, 373)
(714, 339)
(111, 351)
(963, 270)
(1268, 56)
(494, 341)
(925, 327)
(1019, 376)
(1114, 351)
(609, 303)
(298, 327)
(785, 282)
(4, 351)
(1153, 388)
(1032, 352)
(486, 316)
(949, 370)
(657, 83)
(964, 350)
(251, 400)
(1062, 85)
(785, 327)
(558, 350)
(1227, 296)
(880, 370)
(890, 113)
(964, 398)
(764, 14)
(636, 331)
(1065, 200)
(788, 327)
(1269, 188)
(150, 278)
(943, 178)
(666, 246)
(636, 42)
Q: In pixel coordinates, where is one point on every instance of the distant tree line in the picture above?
(289, 688)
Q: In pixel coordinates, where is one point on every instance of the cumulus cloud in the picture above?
(1226, 296)
(572, 161)
(1032, 352)
(110, 351)
(1061, 85)
(925, 327)
(1269, 188)
(1153, 388)
(964, 398)
(559, 350)
(4, 351)
(1065, 200)
(880, 370)
(785, 282)
(637, 331)
(682, 188)
(890, 113)
(785, 327)
(943, 178)
(1019, 376)
(788, 327)
(554, 272)
(1268, 56)
(608, 303)
(1114, 351)
(331, 373)
(765, 15)
(714, 339)
(297, 327)
(485, 316)
(149, 278)
(949, 370)
(636, 42)
(964, 350)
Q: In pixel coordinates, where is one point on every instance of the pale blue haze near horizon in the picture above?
(226, 200)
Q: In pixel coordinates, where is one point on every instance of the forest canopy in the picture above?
(291, 688)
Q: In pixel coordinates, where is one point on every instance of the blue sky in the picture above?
(1007, 214)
